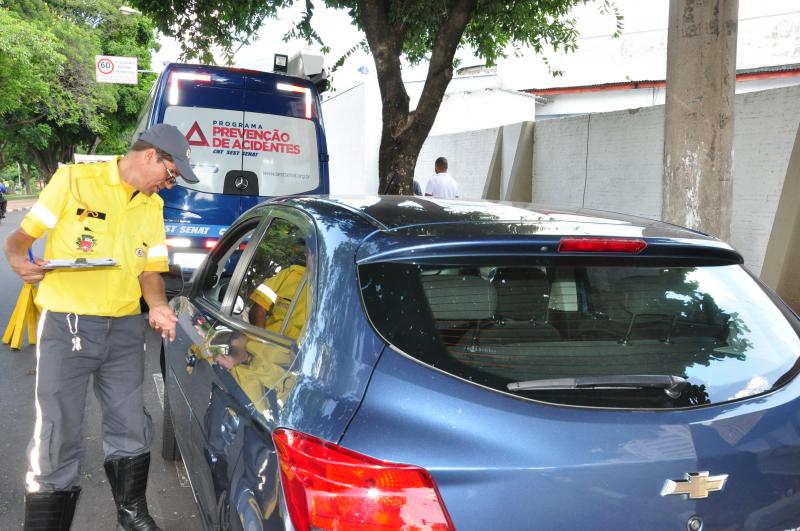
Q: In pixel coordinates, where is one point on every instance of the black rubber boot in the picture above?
(50, 511)
(128, 479)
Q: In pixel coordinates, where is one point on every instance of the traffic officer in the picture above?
(281, 294)
(91, 322)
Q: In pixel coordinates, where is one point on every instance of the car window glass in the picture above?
(259, 367)
(220, 268)
(274, 293)
(498, 325)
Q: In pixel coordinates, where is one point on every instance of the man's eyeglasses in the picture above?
(172, 177)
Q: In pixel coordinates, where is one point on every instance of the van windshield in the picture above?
(543, 330)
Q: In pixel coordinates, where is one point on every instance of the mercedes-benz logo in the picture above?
(241, 182)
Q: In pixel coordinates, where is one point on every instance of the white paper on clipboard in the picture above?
(80, 263)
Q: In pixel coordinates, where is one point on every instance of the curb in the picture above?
(17, 209)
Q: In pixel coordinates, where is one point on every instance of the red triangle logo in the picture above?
(195, 130)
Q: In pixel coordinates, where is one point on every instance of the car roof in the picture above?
(409, 227)
(387, 213)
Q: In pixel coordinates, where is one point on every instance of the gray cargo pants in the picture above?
(112, 351)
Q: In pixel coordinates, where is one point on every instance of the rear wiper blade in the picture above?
(672, 385)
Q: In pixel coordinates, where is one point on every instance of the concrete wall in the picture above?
(469, 156)
(614, 161)
(783, 251)
(617, 158)
(765, 127)
(609, 161)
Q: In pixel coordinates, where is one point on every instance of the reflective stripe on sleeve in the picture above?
(44, 215)
(267, 292)
(157, 251)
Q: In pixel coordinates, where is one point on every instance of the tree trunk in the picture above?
(47, 159)
(397, 158)
(403, 132)
(26, 177)
(96, 143)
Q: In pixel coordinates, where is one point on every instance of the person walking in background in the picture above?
(91, 324)
(442, 185)
(3, 201)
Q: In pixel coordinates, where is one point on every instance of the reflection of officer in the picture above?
(90, 323)
(279, 295)
(255, 366)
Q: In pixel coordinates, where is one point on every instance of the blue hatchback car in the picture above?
(404, 363)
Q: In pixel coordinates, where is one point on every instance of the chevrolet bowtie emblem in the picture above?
(696, 485)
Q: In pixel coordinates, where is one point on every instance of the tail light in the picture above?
(302, 90)
(329, 487)
(601, 245)
(210, 244)
(179, 242)
(176, 77)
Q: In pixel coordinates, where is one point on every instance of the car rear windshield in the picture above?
(603, 335)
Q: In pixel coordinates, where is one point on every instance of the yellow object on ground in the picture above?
(25, 313)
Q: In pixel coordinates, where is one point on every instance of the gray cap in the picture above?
(168, 139)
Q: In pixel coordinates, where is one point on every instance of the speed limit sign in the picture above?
(105, 66)
(113, 69)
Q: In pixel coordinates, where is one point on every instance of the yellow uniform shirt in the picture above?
(276, 294)
(131, 231)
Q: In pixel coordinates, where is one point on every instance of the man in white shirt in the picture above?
(442, 184)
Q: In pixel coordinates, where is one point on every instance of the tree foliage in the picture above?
(50, 104)
(429, 30)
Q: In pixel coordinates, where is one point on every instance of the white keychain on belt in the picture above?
(73, 329)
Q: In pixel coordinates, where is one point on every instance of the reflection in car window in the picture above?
(220, 270)
(275, 296)
(274, 292)
(497, 324)
(258, 366)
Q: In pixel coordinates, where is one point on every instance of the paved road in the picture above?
(168, 493)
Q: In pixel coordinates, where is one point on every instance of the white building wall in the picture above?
(557, 105)
(606, 100)
(482, 109)
(353, 129)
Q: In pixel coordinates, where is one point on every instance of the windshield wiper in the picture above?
(672, 385)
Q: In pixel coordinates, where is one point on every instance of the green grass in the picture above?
(12, 197)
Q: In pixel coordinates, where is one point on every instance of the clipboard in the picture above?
(80, 263)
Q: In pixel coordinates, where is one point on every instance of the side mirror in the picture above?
(173, 280)
(219, 343)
